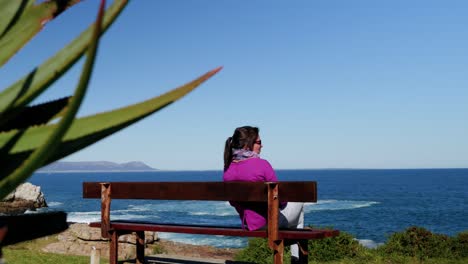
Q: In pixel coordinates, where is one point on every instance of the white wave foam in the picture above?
(368, 243)
(141, 208)
(84, 217)
(54, 204)
(216, 214)
(216, 241)
(95, 216)
(331, 205)
(225, 209)
(128, 216)
(87, 213)
(218, 209)
(188, 207)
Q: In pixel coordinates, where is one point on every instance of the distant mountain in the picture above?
(64, 166)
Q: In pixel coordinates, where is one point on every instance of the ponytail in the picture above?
(227, 153)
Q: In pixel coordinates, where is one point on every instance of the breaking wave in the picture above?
(189, 210)
(332, 205)
(54, 204)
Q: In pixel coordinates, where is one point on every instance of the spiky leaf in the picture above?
(34, 115)
(51, 143)
(32, 84)
(10, 12)
(23, 20)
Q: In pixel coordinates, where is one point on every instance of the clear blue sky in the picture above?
(330, 84)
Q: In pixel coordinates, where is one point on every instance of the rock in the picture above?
(84, 232)
(150, 238)
(30, 192)
(10, 197)
(79, 239)
(26, 197)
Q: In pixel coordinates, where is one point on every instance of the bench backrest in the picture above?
(210, 191)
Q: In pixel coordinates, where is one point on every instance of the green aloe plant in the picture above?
(29, 136)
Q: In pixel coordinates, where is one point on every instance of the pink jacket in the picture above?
(252, 170)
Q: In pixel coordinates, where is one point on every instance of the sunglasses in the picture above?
(258, 142)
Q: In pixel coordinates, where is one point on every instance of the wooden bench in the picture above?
(269, 192)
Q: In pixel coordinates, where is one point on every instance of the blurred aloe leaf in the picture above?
(50, 144)
(34, 115)
(21, 20)
(29, 137)
(39, 79)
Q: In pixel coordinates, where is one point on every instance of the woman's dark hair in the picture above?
(243, 137)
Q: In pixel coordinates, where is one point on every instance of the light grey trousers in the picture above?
(292, 216)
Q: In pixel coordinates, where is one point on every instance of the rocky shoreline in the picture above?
(80, 239)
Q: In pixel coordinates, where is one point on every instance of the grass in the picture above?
(35, 244)
(25, 256)
(29, 252)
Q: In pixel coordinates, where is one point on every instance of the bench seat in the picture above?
(294, 234)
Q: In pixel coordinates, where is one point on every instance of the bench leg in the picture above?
(114, 248)
(140, 247)
(278, 251)
(303, 251)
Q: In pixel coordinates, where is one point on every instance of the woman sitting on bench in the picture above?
(242, 162)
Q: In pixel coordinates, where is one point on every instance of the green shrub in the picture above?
(460, 245)
(257, 251)
(157, 249)
(419, 242)
(414, 245)
(334, 248)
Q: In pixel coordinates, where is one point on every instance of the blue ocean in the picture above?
(370, 204)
